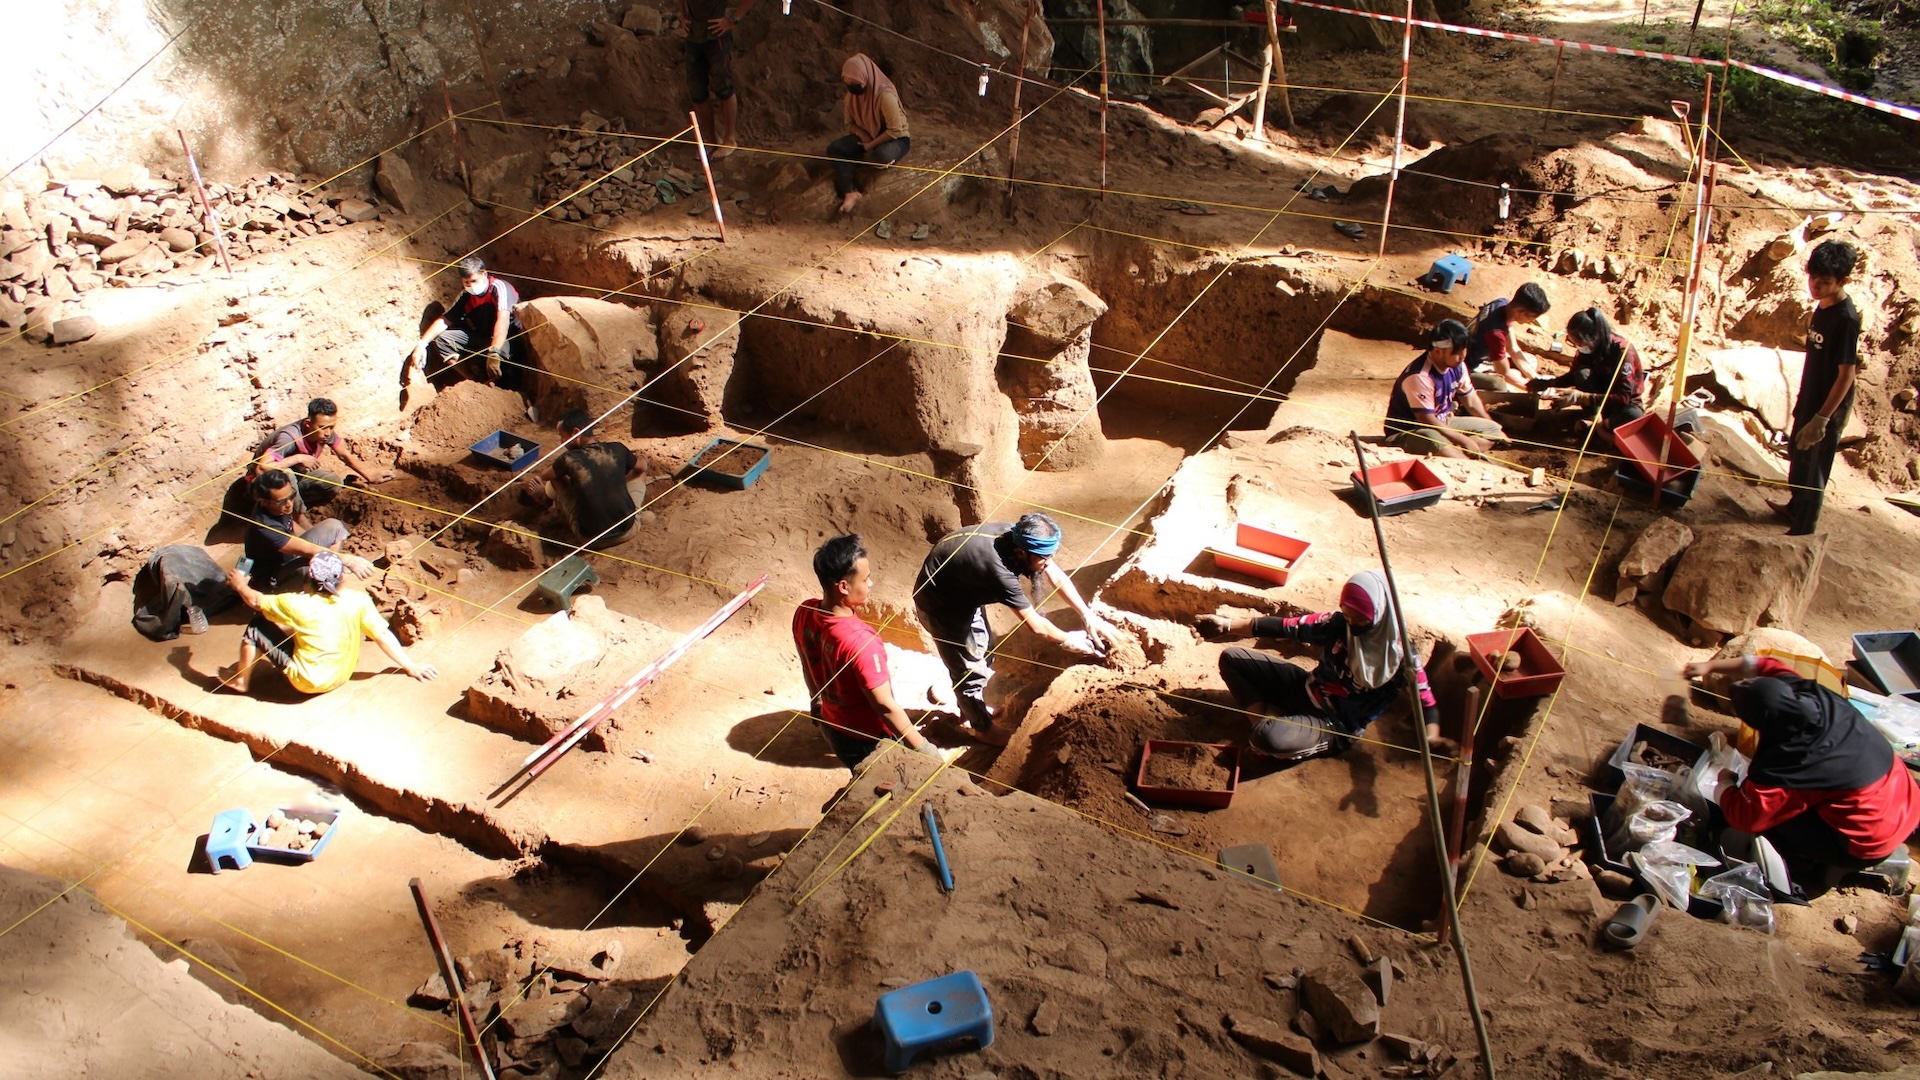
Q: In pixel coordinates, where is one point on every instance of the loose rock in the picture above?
(1343, 1004)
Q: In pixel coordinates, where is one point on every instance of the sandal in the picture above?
(1630, 924)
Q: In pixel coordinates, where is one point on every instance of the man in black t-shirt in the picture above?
(973, 567)
(1826, 385)
(595, 484)
(710, 26)
(281, 538)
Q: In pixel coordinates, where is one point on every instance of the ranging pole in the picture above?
(1103, 99)
(1019, 80)
(206, 205)
(1399, 127)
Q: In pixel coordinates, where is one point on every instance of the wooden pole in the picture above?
(1103, 99)
(1462, 783)
(1279, 62)
(1553, 91)
(452, 976)
(1399, 126)
(206, 206)
(1698, 7)
(1013, 134)
(713, 193)
(1260, 99)
(459, 151)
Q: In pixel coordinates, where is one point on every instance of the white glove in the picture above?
(1081, 643)
(361, 567)
(1103, 632)
(1811, 433)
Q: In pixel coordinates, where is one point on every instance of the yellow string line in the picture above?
(1540, 732)
(905, 802)
(103, 463)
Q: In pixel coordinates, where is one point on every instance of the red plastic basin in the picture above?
(1260, 553)
(1539, 672)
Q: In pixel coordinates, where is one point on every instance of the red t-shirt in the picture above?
(1875, 819)
(842, 658)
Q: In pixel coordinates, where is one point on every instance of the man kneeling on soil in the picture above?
(596, 485)
(300, 446)
(845, 663)
(1420, 417)
(313, 636)
(281, 538)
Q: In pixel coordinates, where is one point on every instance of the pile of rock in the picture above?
(81, 234)
(1724, 581)
(1536, 845)
(579, 157)
(1338, 1006)
(552, 1011)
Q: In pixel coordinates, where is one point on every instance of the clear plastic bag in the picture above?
(1639, 786)
(1740, 907)
(1668, 866)
(1703, 784)
(1658, 820)
(1746, 876)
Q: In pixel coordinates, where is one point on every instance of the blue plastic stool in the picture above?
(567, 577)
(228, 839)
(925, 1015)
(1448, 271)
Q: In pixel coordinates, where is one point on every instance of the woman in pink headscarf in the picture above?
(876, 126)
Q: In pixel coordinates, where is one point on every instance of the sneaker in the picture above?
(196, 620)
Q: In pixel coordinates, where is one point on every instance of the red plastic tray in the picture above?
(1400, 486)
(1539, 673)
(1642, 442)
(1260, 553)
(1187, 796)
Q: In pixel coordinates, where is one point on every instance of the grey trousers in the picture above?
(962, 640)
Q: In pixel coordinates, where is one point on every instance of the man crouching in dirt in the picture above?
(313, 636)
(844, 661)
(973, 567)
(596, 485)
(1420, 412)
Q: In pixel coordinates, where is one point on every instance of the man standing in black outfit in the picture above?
(1826, 385)
(710, 26)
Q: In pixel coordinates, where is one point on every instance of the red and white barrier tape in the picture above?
(1905, 112)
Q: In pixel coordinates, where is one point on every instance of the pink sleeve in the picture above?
(1419, 390)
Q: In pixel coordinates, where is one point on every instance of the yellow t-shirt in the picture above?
(327, 631)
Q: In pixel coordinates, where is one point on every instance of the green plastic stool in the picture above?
(568, 576)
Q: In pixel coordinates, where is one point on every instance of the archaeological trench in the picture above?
(1156, 334)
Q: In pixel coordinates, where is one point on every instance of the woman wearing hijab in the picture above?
(1824, 788)
(1607, 378)
(876, 126)
(1360, 674)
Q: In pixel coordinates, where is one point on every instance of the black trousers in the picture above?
(1808, 472)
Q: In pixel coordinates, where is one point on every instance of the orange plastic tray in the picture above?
(1260, 553)
(1539, 673)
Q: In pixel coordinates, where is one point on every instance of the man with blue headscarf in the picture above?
(983, 564)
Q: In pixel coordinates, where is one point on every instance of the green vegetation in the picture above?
(1844, 36)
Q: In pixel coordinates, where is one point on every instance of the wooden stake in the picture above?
(1462, 782)
(1103, 99)
(459, 151)
(206, 206)
(713, 193)
(452, 976)
(1553, 91)
(1019, 80)
(1260, 99)
(1399, 127)
(1279, 62)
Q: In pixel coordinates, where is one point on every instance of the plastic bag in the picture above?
(1639, 786)
(1653, 822)
(1897, 718)
(1668, 866)
(1703, 784)
(1746, 876)
(1739, 907)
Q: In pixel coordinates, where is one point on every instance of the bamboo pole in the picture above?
(1399, 126)
(1553, 91)
(1019, 80)
(459, 151)
(1462, 787)
(1260, 99)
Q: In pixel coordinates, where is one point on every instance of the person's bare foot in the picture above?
(1781, 510)
(232, 678)
(848, 201)
(722, 150)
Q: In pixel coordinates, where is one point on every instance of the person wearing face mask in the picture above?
(876, 127)
(1301, 714)
(1607, 378)
(1824, 788)
(479, 324)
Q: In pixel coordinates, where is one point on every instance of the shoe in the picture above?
(991, 734)
(196, 620)
(1324, 746)
(1630, 924)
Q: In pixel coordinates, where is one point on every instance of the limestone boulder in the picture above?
(1043, 369)
(1763, 379)
(395, 179)
(559, 668)
(698, 346)
(587, 354)
(1650, 556)
(1733, 579)
(1735, 447)
(1341, 1002)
